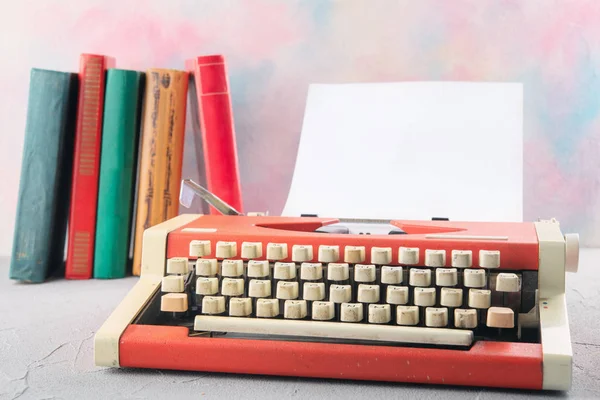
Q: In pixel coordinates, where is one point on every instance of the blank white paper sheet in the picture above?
(411, 150)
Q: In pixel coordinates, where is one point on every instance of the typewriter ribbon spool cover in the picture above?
(431, 302)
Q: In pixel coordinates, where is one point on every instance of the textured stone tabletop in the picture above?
(46, 343)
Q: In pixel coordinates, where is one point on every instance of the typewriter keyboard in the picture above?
(339, 296)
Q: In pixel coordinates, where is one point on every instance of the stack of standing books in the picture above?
(102, 162)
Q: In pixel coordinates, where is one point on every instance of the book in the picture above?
(84, 184)
(217, 128)
(44, 187)
(117, 173)
(161, 152)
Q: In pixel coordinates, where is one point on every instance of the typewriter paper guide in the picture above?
(413, 150)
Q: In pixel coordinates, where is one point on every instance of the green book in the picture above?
(44, 189)
(122, 106)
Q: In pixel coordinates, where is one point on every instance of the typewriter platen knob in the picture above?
(571, 252)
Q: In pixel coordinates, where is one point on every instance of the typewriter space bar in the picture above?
(335, 330)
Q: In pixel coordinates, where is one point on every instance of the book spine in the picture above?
(161, 152)
(117, 173)
(44, 187)
(84, 193)
(217, 126)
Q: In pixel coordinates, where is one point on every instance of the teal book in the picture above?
(44, 189)
(120, 136)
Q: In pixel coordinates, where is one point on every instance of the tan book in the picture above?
(161, 152)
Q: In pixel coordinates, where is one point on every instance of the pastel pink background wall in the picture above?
(275, 49)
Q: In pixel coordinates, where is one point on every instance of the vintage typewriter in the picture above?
(431, 302)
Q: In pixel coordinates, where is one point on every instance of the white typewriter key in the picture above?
(206, 267)
(177, 265)
(207, 286)
(436, 317)
(354, 254)
(407, 315)
(446, 277)
(338, 271)
(226, 250)
(199, 248)
(500, 317)
(419, 277)
(365, 273)
(435, 258)
(240, 307)
(213, 305)
(174, 302)
(424, 297)
(329, 254)
(340, 293)
(287, 290)
(267, 308)
(259, 288)
(480, 298)
(368, 293)
(311, 271)
(474, 278)
(396, 295)
(301, 253)
(465, 318)
(232, 268)
(408, 255)
(277, 251)
(462, 258)
(294, 309)
(351, 312)
(258, 269)
(380, 313)
(391, 275)
(489, 258)
(232, 287)
(172, 284)
(381, 255)
(323, 310)
(284, 271)
(450, 297)
(251, 250)
(508, 283)
(313, 291)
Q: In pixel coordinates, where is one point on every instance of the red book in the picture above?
(216, 124)
(86, 163)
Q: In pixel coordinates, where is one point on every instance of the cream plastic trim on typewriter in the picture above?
(337, 330)
(154, 254)
(557, 353)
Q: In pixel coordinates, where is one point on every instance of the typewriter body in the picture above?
(430, 302)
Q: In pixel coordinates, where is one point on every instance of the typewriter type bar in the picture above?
(432, 302)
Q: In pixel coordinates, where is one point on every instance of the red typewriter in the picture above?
(430, 302)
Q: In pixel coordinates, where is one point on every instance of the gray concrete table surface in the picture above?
(46, 351)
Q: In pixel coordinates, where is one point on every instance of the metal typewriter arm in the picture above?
(189, 189)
